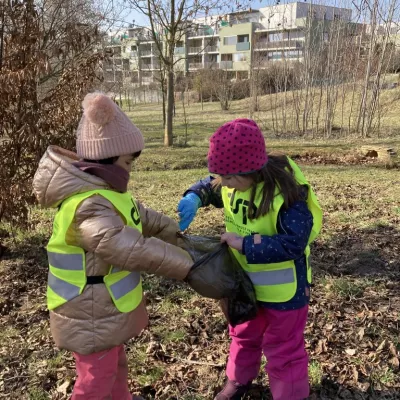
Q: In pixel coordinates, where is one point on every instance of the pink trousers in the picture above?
(280, 336)
(102, 376)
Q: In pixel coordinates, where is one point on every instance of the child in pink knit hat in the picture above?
(102, 240)
(271, 217)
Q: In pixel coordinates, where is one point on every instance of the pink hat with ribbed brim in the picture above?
(105, 130)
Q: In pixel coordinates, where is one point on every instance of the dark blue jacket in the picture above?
(294, 228)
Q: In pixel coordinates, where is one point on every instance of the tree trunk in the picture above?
(168, 134)
(164, 110)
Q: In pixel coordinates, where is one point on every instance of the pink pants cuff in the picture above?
(102, 375)
(280, 336)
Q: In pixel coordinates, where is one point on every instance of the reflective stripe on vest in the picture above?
(125, 285)
(278, 277)
(275, 282)
(70, 262)
(64, 289)
(67, 264)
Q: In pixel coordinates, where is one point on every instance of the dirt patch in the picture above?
(371, 252)
(351, 158)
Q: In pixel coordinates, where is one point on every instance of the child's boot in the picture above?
(232, 391)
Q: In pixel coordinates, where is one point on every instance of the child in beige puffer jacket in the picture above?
(102, 240)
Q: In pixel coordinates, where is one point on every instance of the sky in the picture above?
(133, 16)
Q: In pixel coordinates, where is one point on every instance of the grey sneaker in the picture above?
(232, 391)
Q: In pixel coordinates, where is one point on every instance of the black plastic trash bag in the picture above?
(217, 274)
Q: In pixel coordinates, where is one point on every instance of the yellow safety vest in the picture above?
(67, 263)
(275, 282)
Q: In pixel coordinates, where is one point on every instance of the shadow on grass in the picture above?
(372, 252)
(24, 270)
(331, 390)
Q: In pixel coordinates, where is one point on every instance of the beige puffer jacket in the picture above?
(90, 322)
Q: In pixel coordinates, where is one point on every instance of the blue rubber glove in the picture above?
(187, 209)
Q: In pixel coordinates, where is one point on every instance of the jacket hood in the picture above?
(56, 178)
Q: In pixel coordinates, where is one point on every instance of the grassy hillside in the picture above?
(352, 334)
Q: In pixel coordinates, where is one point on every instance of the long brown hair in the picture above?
(276, 173)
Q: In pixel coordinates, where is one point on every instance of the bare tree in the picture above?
(169, 21)
(47, 64)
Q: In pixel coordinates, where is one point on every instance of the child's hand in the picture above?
(233, 240)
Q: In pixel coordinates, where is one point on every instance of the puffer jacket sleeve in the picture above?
(158, 225)
(101, 230)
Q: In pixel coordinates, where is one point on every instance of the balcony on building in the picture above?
(279, 40)
(150, 66)
(195, 46)
(140, 34)
(211, 64)
(147, 79)
(226, 64)
(201, 31)
(195, 62)
(179, 50)
(133, 51)
(243, 46)
(145, 53)
(197, 65)
(211, 49)
(243, 43)
(195, 50)
(283, 44)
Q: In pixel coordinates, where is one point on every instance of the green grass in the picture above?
(38, 394)
(345, 194)
(150, 375)
(315, 373)
(348, 289)
(202, 123)
(385, 377)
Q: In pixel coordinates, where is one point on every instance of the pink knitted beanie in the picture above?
(105, 131)
(237, 147)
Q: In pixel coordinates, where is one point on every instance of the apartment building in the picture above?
(234, 42)
(134, 58)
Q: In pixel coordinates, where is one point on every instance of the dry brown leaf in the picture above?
(351, 352)
(64, 387)
(381, 346)
(394, 361)
(355, 374)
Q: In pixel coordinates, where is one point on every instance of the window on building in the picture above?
(296, 35)
(237, 57)
(226, 57)
(243, 38)
(133, 48)
(230, 40)
(291, 54)
(277, 37)
(124, 49)
(275, 55)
